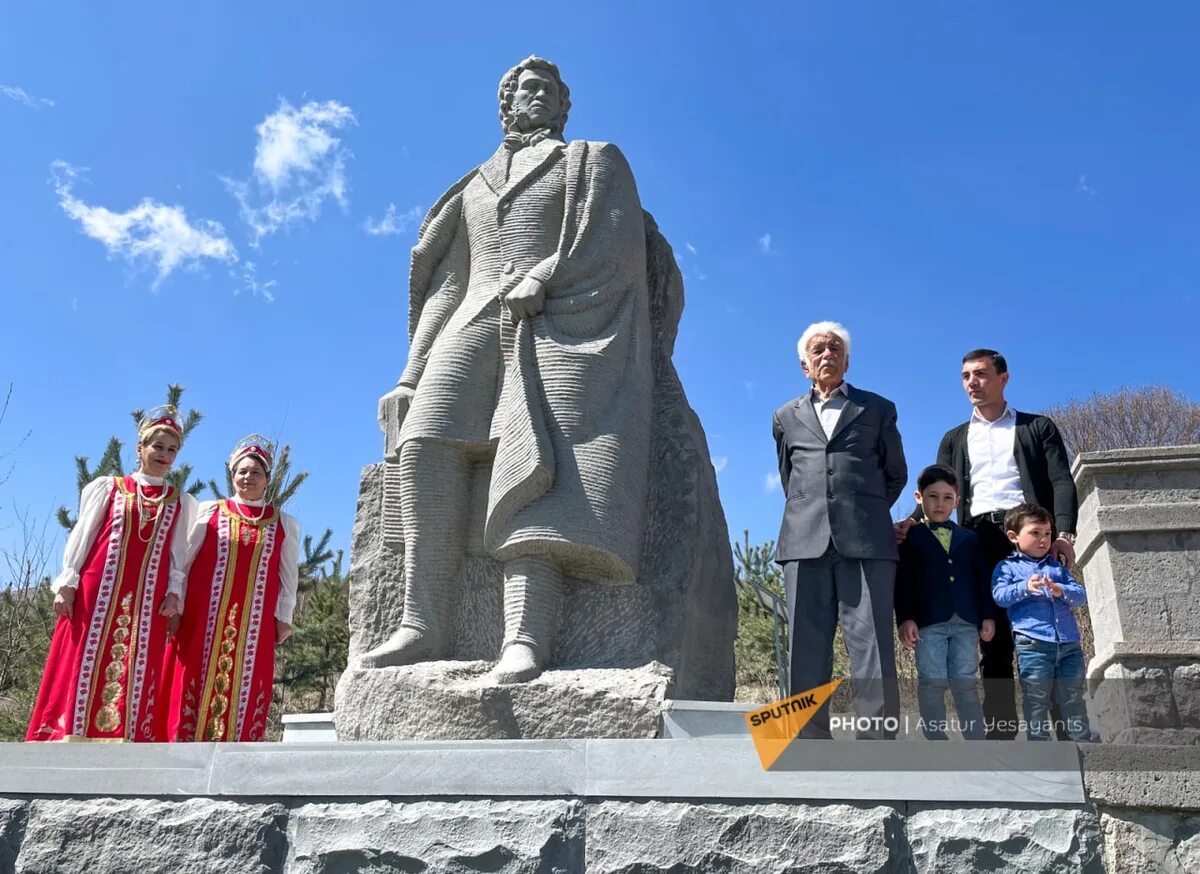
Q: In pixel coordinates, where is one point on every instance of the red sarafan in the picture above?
(241, 591)
(118, 599)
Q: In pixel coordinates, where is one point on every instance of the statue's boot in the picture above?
(435, 483)
(407, 646)
(533, 595)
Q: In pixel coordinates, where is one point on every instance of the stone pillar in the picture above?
(1139, 554)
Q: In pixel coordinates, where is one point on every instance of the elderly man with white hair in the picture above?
(842, 466)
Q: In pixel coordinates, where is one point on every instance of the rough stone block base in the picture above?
(437, 836)
(602, 836)
(632, 836)
(1004, 839)
(120, 835)
(12, 821)
(452, 701)
(1151, 842)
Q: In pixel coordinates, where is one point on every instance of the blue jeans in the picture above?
(947, 657)
(1046, 667)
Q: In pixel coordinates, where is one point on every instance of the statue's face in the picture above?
(536, 102)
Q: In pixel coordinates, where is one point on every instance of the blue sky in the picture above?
(188, 192)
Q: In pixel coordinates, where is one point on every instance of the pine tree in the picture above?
(760, 649)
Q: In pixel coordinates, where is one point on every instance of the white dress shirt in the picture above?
(829, 410)
(995, 477)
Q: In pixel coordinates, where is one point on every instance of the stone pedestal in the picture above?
(1139, 553)
(454, 701)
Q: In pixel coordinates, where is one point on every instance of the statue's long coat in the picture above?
(565, 397)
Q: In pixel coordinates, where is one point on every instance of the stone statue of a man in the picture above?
(530, 347)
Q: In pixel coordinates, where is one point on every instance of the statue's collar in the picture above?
(495, 170)
(515, 141)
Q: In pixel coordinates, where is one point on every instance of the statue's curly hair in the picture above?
(508, 87)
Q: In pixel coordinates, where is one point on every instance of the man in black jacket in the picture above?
(1004, 458)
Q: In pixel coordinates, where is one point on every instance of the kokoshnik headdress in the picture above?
(254, 446)
(161, 418)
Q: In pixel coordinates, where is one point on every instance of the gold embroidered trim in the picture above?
(241, 670)
(108, 717)
(218, 705)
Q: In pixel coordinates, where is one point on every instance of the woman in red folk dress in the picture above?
(240, 594)
(118, 600)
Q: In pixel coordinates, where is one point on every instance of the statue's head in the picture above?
(534, 96)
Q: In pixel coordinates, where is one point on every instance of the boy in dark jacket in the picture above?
(944, 607)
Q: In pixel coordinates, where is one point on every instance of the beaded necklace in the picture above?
(148, 508)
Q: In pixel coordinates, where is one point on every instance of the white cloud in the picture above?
(250, 284)
(719, 463)
(298, 164)
(764, 243)
(19, 94)
(771, 482)
(391, 223)
(1082, 186)
(696, 270)
(150, 232)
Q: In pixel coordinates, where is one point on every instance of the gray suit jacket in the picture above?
(841, 488)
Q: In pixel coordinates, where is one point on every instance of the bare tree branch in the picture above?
(1152, 415)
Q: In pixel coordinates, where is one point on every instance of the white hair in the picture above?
(817, 329)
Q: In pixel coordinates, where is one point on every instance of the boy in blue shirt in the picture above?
(944, 607)
(1039, 593)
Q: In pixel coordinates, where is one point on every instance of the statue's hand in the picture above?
(527, 299)
(393, 407)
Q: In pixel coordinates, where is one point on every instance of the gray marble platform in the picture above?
(726, 768)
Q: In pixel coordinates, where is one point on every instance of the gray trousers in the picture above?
(820, 591)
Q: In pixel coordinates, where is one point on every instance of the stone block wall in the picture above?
(123, 835)
(563, 835)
